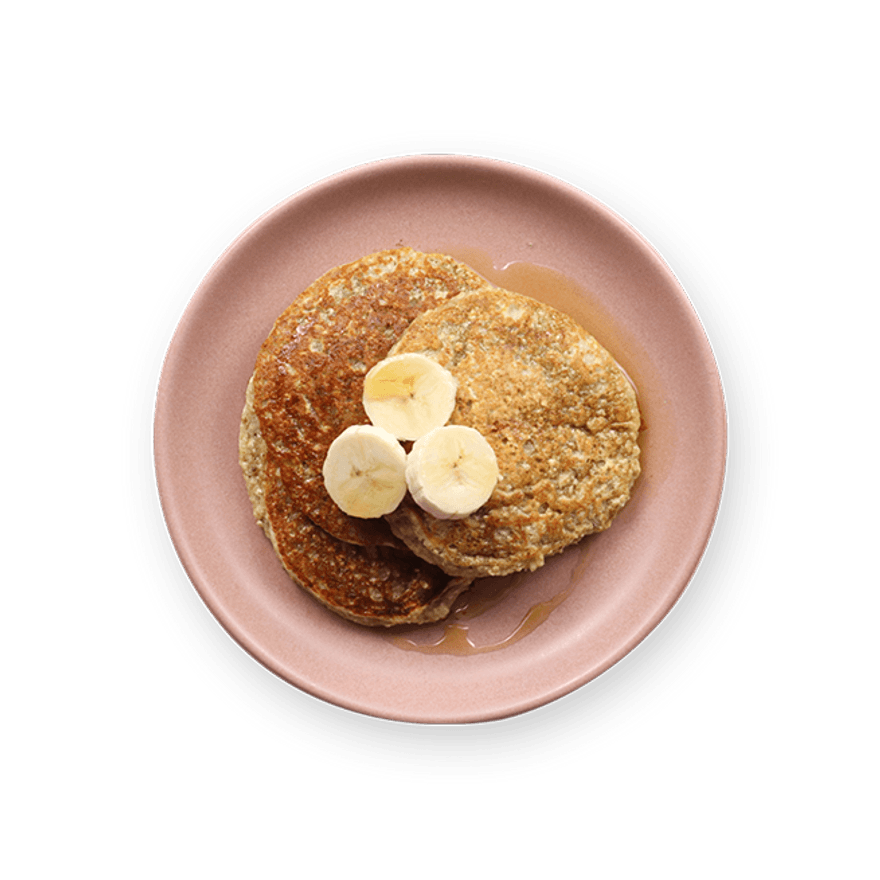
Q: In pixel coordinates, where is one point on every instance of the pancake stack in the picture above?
(558, 412)
(305, 390)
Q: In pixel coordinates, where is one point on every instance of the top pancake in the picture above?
(308, 379)
(560, 415)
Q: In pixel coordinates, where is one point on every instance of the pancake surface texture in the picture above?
(559, 413)
(306, 389)
(308, 379)
(368, 585)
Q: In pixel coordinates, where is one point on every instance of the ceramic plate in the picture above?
(512, 644)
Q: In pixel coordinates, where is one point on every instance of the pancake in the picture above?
(377, 586)
(308, 379)
(560, 415)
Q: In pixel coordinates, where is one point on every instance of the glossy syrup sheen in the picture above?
(455, 636)
(459, 634)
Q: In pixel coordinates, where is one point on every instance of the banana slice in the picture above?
(365, 471)
(451, 471)
(409, 395)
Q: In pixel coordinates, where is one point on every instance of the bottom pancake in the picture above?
(376, 586)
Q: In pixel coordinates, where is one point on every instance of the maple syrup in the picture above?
(454, 635)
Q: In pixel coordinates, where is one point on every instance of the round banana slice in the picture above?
(409, 395)
(365, 471)
(451, 471)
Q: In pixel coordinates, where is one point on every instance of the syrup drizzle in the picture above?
(455, 634)
(455, 637)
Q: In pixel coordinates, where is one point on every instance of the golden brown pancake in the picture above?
(308, 379)
(560, 415)
(369, 585)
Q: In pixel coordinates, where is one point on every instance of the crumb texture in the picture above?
(305, 390)
(308, 379)
(559, 413)
(376, 586)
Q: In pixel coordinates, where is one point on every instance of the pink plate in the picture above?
(517, 643)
